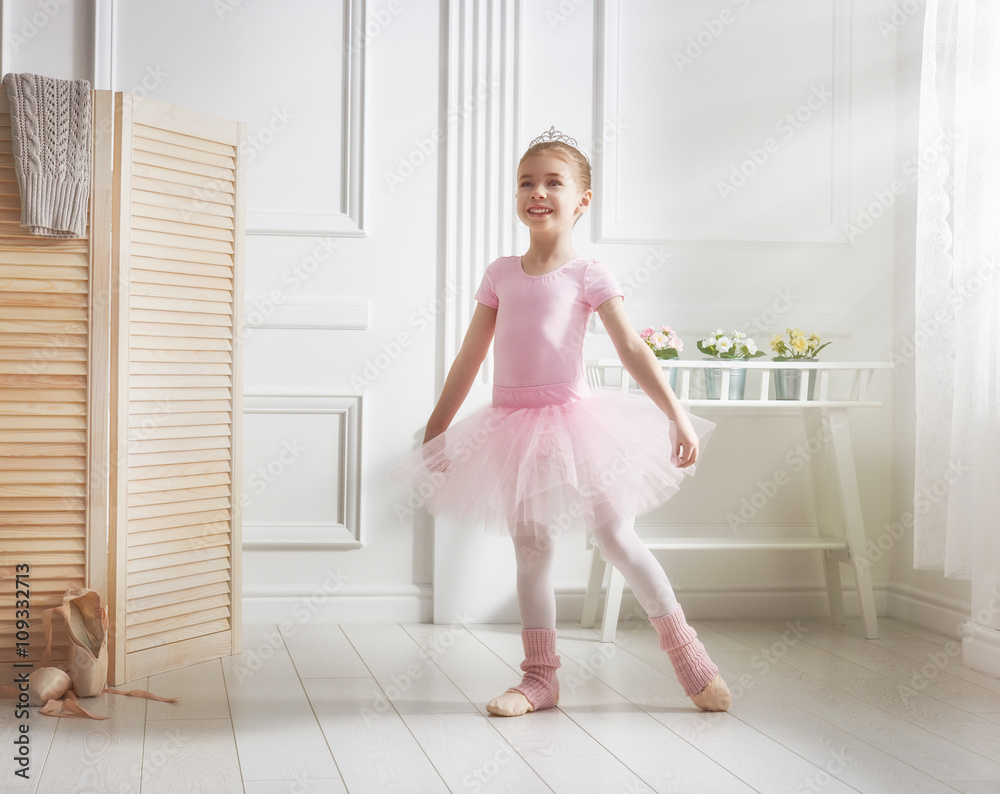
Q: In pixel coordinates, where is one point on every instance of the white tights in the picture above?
(621, 546)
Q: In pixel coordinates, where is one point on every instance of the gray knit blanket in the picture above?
(50, 125)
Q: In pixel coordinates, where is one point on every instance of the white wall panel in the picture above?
(740, 111)
(289, 69)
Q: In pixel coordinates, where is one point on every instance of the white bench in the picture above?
(841, 534)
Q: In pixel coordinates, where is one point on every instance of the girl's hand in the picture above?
(685, 444)
(433, 463)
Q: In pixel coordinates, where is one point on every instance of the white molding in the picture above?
(481, 147)
(981, 649)
(103, 66)
(317, 314)
(296, 537)
(345, 533)
(928, 609)
(342, 604)
(607, 230)
(4, 35)
(349, 222)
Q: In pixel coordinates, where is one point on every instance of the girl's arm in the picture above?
(463, 370)
(642, 365)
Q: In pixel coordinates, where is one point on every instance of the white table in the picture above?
(841, 532)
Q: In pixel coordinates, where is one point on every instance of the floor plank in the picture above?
(382, 707)
(190, 757)
(374, 749)
(100, 755)
(276, 730)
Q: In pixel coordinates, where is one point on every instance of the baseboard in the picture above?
(753, 599)
(928, 609)
(340, 604)
(414, 603)
(981, 649)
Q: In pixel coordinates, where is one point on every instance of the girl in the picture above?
(548, 453)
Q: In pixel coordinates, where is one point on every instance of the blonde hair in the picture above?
(573, 157)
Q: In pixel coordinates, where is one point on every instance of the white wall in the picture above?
(771, 253)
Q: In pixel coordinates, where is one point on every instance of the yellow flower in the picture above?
(799, 344)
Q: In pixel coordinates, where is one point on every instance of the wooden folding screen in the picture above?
(177, 255)
(120, 390)
(53, 408)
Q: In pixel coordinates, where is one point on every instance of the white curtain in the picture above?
(956, 526)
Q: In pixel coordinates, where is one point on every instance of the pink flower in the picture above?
(646, 334)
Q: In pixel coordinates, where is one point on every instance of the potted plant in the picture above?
(721, 346)
(666, 345)
(794, 345)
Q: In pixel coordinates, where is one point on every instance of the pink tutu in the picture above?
(556, 457)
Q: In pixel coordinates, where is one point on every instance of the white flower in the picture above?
(719, 332)
(723, 343)
(751, 346)
(739, 336)
(707, 342)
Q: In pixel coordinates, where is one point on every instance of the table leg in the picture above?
(593, 594)
(829, 518)
(612, 605)
(854, 526)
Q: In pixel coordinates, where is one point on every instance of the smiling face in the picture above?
(549, 198)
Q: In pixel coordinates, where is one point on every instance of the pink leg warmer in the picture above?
(540, 685)
(687, 654)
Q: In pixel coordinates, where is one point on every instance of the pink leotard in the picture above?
(542, 320)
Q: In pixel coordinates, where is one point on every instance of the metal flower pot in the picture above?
(737, 383)
(788, 381)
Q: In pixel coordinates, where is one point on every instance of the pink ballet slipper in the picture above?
(539, 689)
(695, 671)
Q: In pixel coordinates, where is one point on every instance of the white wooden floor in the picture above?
(394, 708)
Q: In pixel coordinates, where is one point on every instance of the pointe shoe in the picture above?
(714, 697)
(47, 683)
(87, 629)
(512, 703)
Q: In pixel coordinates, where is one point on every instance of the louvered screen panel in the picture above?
(45, 336)
(176, 410)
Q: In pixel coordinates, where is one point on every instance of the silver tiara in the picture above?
(552, 134)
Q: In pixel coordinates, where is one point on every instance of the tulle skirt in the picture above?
(549, 458)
